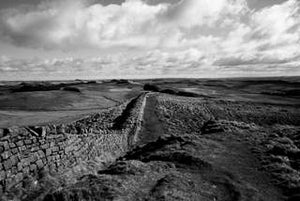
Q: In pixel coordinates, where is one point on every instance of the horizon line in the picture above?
(151, 78)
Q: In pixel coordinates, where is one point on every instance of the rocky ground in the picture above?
(193, 148)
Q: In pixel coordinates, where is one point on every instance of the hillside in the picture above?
(221, 140)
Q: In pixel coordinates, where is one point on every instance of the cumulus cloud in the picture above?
(72, 24)
(183, 36)
(134, 23)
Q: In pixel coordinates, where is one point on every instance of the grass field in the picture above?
(43, 106)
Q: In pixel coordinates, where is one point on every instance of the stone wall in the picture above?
(27, 150)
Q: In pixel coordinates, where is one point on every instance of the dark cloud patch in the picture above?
(259, 4)
(240, 61)
(4, 4)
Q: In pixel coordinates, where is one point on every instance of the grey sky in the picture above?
(201, 38)
(252, 3)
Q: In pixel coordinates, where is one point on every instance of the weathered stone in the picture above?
(48, 152)
(60, 129)
(25, 162)
(6, 155)
(68, 149)
(19, 177)
(20, 166)
(8, 173)
(55, 149)
(14, 170)
(52, 166)
(40, 163)
(33, 167)
(14, 160)
(20, 149)
(12, 145)
(45, 146)
(49, 158)
(15, 150)
(15, 139)
(41, 154)
(33, 158)
(2, 175)
(7, 164)
(5, 145)
(35, 148)
(44, 131)
(20, 143)
(25, 154)
(26, 170)
(52, 144)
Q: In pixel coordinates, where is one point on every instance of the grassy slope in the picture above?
(221, 148)
(37, 107)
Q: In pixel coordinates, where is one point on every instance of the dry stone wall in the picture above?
(27, 150)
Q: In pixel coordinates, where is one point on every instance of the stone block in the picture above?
(25, 162)
(52, 166)
(48, 152)
(49, 158)
(20, 143)
(14, 160)
(26, 170)
(40, 164)
(35, 148)
(52, 144)
(19, 177)
(6, 155)
(55, 149)
(27, 142)
(33, 167)
(5, 145)
(14, 150)
(22, 148)
(45, 146)
(12, 145)
(60, 129)
(20, 166)
(7, 164)
(14, 170)
(33, 158)
(2, 175)
(41, 154)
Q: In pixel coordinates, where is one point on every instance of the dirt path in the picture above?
(237, 160)
(151, 125)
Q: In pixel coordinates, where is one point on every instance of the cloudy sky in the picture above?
(88, 39)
